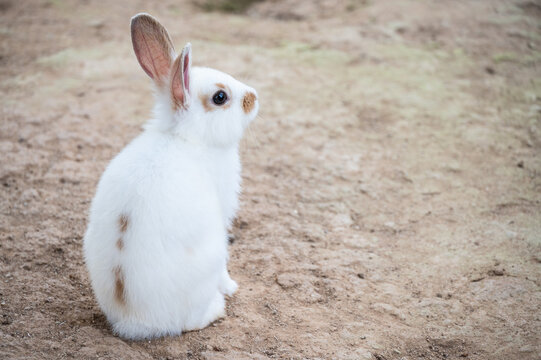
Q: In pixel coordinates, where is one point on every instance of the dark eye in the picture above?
(220, 97)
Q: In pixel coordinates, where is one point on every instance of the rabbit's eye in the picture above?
(220, 97)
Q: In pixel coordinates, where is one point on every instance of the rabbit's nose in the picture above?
(248, 102)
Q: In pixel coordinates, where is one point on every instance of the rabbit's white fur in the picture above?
(156, 243)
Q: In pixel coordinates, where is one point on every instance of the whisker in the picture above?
(251, 139)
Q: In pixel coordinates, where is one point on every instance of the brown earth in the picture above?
(392, 184)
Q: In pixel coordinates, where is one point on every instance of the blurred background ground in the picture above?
(391, 205)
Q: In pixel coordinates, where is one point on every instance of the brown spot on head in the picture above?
(248, 102)
(120, 244)
(123, 223)
(206, 99)
(205, 102)
(119, 290)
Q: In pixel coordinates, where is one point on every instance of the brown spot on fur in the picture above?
(119, 291)
(120, 244)
(248, 102)
(123, 223)
(207, 102)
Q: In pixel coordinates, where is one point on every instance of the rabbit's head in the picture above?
(195, 103)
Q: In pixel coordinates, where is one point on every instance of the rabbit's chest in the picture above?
(225, 173)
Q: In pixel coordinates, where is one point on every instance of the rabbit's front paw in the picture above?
(228, 286)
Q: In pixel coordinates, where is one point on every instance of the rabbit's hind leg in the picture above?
(215, 311)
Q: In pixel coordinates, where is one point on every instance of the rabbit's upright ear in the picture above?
(180, 82)
(152, 46)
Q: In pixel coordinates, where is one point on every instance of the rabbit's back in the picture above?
(155, 244)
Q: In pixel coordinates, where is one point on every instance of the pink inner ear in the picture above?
(152, 47)
(186, 73)
(176, 86)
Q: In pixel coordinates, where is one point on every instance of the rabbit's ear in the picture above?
(152, 46)
(180, 82)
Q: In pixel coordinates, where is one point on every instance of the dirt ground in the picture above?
(391, 206)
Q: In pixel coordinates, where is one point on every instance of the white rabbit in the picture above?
(156, 243)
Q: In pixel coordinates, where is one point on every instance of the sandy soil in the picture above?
(392, 184)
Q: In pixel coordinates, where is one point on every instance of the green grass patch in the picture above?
(505, 57)
(228, 6)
